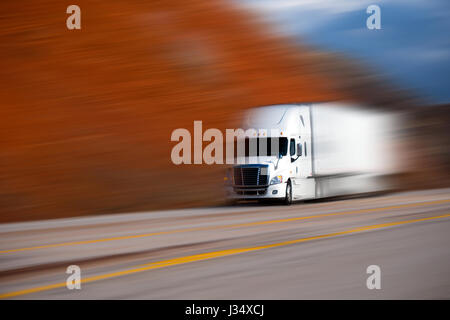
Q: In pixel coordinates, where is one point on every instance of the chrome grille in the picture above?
(250, 176)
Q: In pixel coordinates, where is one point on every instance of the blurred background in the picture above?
(86, 115)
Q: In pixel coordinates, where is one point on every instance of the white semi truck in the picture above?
(309, 151)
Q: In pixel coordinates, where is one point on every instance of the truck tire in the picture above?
(288, 197)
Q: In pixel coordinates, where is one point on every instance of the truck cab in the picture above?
(280, 165)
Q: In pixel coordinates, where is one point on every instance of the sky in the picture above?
(412, 47)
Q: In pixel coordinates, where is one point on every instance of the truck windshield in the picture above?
(265, 147)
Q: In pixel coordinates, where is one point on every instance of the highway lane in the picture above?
(137, 255)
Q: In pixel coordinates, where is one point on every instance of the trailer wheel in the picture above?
(288, 197)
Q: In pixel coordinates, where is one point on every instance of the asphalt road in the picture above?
(315, 250)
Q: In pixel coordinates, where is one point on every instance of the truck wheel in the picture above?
(288, 198)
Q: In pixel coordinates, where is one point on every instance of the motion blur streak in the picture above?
(218, 254)
(225, 226)
(86, 115)
(87, 179)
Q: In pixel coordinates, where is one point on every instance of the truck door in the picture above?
(295, 154)
(305, 183)
(305, 140)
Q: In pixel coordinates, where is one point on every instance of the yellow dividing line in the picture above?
(248, 224)
(212, 255)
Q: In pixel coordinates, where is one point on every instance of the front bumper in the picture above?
(276, 191)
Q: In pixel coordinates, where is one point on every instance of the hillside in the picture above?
(87, 115)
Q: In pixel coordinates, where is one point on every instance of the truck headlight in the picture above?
(276, 180)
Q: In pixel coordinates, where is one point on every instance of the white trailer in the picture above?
(309, 151)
